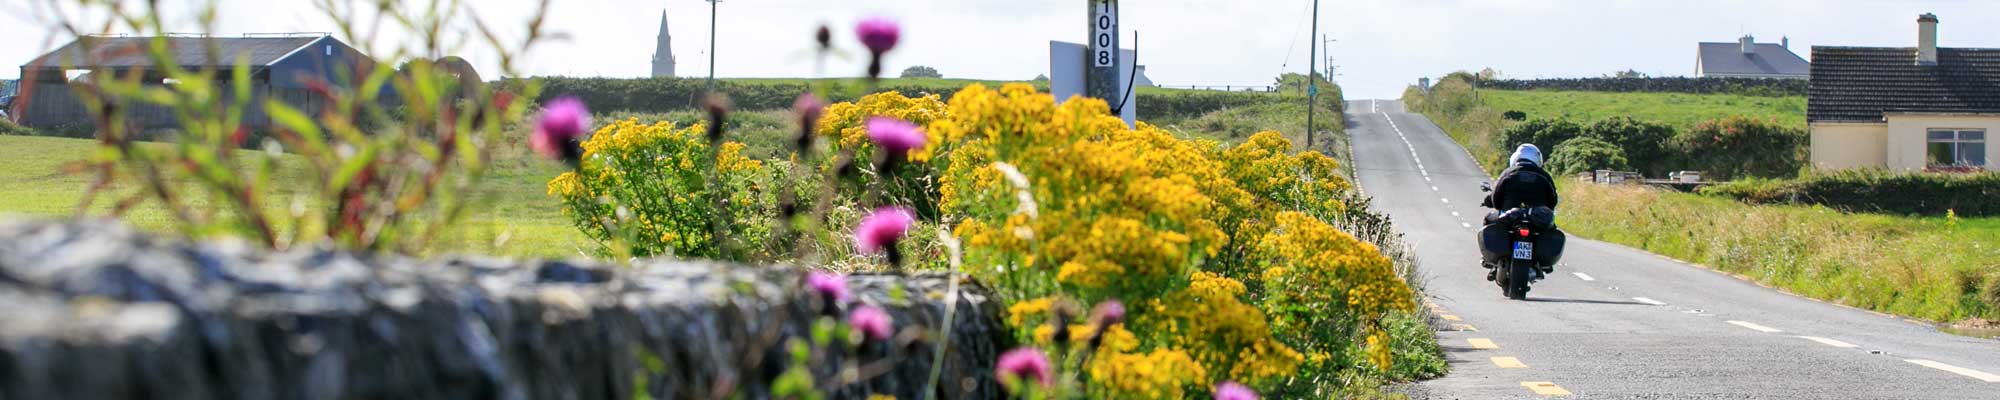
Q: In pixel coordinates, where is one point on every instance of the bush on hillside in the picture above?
(920, 71)
(1737, 147)
(1647, 145)
(1542, 132)
(1875, 191)
(1585, 154)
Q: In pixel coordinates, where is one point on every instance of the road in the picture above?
(1616, 322)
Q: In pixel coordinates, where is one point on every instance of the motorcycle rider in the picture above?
(1524, 185)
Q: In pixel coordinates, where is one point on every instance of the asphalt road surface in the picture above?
(1616, 322)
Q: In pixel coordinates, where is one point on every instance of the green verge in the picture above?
(1943, 269)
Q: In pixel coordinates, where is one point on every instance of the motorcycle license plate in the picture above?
(1524, 251)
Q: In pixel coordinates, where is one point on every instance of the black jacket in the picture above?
(1523, 186)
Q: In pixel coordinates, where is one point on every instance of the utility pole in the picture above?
(1312, 85)
(711, 44)
(1101, 74)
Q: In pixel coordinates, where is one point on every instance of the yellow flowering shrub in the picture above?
(913, 183)
(1316, 269)
(1225, 254)
(646, 185)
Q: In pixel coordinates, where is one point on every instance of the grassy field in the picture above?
(514, 217)
(1679, 109)
(1935, 268)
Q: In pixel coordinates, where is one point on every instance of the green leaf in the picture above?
(353, 167)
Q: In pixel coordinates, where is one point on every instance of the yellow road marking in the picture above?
(1829, 342)
(1464, 327)
(1482, 343)
(1545, 388)
(1508, 362)
(1449, 317)
(1968, 372)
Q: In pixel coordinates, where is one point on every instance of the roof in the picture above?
(1765, 59)
(1860, 84)
(126, 52)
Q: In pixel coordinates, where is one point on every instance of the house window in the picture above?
(1957, 148)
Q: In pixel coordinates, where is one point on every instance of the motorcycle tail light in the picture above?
(1524, 233)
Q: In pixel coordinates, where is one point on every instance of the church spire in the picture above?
(663, 54)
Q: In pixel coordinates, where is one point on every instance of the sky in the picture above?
(1380, 46)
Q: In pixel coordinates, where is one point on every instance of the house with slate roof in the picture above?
(1745, 58)
(1904, 108)
(281, 66)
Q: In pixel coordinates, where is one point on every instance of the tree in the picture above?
(920, 71)
(1629, 74)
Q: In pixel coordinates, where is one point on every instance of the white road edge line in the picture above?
(1649, 301)
(1830, 342)
(1989, 378)
(1580, 275)
(1755, 327)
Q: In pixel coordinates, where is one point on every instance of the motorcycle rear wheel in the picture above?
(1516, 285)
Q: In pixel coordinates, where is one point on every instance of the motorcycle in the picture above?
(1518, 246)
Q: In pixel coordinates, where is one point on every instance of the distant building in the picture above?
(1905, 108)
(281, 67)
(663, 51)
(1746, 58)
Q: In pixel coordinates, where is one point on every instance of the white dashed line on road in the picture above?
(1829, 342)
(1755, 327)
(1585, 277)
(1974, 374)
(1649, 301)
(1466, 225)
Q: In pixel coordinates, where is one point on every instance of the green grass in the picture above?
(1679, 109)
(511, 217)
(1934, 268)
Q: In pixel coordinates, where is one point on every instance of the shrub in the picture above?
(1514, 115)
(1875, 191)
(919, 71)
(1545, 133)
(1647, 145)
(1224, 252)
(1744, 147)
(912, 183)
(641, 185)
(1585, 154)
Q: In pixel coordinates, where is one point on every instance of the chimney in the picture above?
(1927, 39)
(1785, 42)
(1749, 44)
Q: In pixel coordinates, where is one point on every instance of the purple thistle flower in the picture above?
(882, 229)
(894, 135)
(870, 321)
(879, 34)
(1234, 391)
(1026, 364)
(829, 285)
(563, 123)
(1109, 312)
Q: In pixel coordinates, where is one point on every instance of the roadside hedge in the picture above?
(1742, 86)
(674, 94)
(1875, 191)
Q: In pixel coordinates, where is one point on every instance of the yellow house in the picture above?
(1904, 108)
